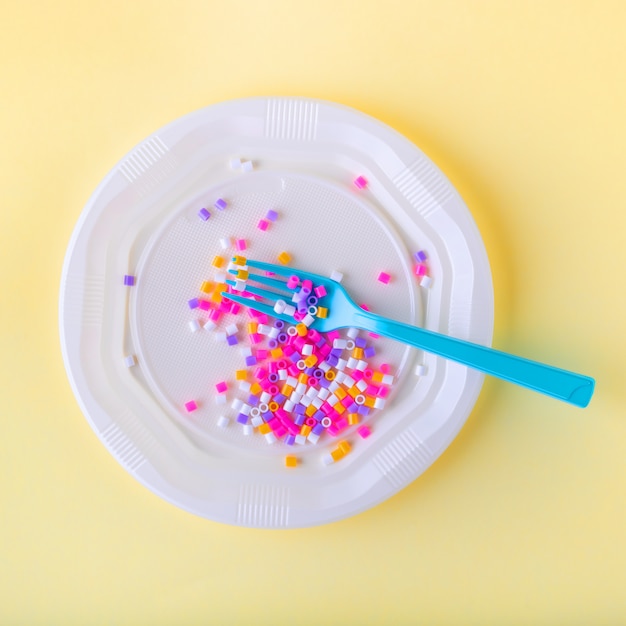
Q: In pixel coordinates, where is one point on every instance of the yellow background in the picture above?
(522, 104)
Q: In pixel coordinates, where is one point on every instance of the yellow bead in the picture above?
(218, 261)
(345, 447)
(302, 330)
(310, 410)
(322, 312)
(284, 258)
(329, 375)
(276, 353)
(256, 389)
(357, 353)
(354, 391)
(339, 408)
(207, 286)
(264, 429)
(311, 360)
(377, 377)
(305, 430)
(273, 406)
(337, 454)
(341, 393)
(242, 274)
(291, 461)
(241, 375)
(239, 260)
(287, 390)
(252, 327)
(353, 418)
(369, 401)
(303, 378)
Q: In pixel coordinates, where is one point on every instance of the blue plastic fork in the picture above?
(344, 313)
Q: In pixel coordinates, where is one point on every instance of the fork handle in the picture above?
(568, 386)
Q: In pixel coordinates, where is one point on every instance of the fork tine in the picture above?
(287, 271)
(269, 295)
(271, 267)
(257, 306)
(279, 285)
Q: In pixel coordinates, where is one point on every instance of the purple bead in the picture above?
(273, 377)
(353, 408)
(318, 373)
(220, 204)
(272, 343)
(253, 400)
(267, 416)
(311, 300)
(368, 353)
(310, 371)
(295, 357)
(271, 215)
(363, 410)
(318, 429)
(250, 360)
(420, 256)
(332, 360)
(129, 281)
(324, 382)
(231, 340)
(299, 410)
(321, 342)
(318, 415)
(203, 214)
(242, 419)
(336, 352)
(290, 440)
(280, 398)
(299, 419)
(279, 324)
(282, 338)
(193, 303)
(359, 342)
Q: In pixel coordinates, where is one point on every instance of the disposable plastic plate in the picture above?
(143, 221)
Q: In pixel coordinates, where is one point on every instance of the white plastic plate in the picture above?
(143, 221)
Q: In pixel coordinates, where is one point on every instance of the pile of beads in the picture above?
(296, 385)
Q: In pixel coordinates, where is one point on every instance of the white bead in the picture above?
(235, 163)
(305, 400)
(270, 438)
(221, 337)
(317, 402)
(361, 365)
(353, 333)
(336, 276)
(341, 364)
(232, 329)
(222, 421)
(307, 349)
(247, 429)
(308, 320)
(263, 329)
(387, 379)
(291, 381)
(340, 377)
(194, 325)
(352, 363)
(348, 382)
(300, 440)
(289, 310)
(420, 370)
(256, 421)
(289, 405)
(245, 386)
(361, 385)
(265, 397)
(274, 332)
(301, 388)
(225, 243)
(332, 400)
(426, 281)
(323, 393)
(236, 404)
(313, 438)
(130, 361)
(220, 399)
(327, 459)
(323, 366)
(245, 409)
(247, 166)
(379, 403)
(209, 325)
(334, 385)
(220, 277)
(245, 352)
(340, 343)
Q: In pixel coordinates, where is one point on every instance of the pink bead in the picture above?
(204, 305)
(263, 224)
(364, 307)
(332, 335)
(360, 182)
(191, 406)
(221, 387)
(383, 277)
(383, 392)
(293, 282)
(385, 368)
(215, 315)
(235, 307)
(420, 270)
(240, 244)
(320, 291)
(364, 431)
(357, 375)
